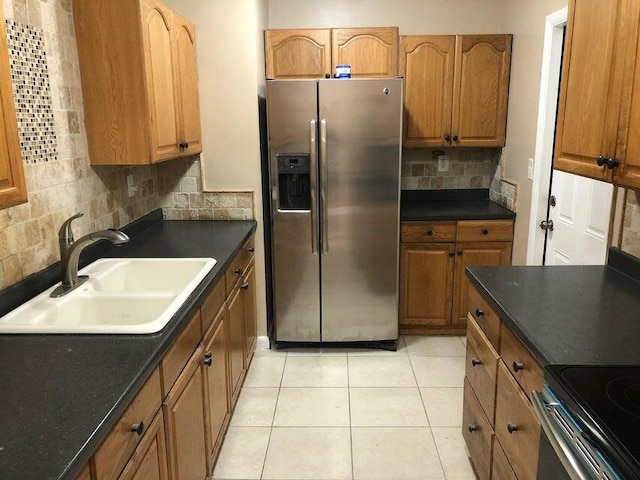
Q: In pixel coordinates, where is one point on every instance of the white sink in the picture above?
(122, 295)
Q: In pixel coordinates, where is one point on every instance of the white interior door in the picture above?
(581, 217)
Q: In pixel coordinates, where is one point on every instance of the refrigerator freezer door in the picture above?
(292, 110)
(360, 225)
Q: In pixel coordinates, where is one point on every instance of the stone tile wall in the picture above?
(631, 226)
(503, 191)
(60, 179)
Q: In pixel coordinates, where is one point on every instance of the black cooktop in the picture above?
(606, 400)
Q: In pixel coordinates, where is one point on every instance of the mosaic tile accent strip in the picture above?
(32, 92)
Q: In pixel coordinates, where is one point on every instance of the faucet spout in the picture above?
(70, 251)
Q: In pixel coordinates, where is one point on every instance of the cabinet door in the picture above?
(184, 421)
(12, 185)
(477, 433)
(85, 474)
(516, 426)
(149, 461)
(371, 52)
(481, 88)
(297, 53)
(468, 254)
(186, 79)
(426, 63)
(161, 88)
(598, 39)
(216, 382)
(426, 284)
(248, 288)
(236, 343)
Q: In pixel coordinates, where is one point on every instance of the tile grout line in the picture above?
(433, 438)
(353, 473)
(273, 418)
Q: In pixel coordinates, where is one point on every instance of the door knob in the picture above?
(547, 225)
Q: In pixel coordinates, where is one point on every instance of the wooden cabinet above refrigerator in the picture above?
(139, 81)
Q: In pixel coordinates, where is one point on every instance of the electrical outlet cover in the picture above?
(443, 163)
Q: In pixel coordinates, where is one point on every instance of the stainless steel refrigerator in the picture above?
(334, 175)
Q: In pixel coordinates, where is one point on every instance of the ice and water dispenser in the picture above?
(293, 182)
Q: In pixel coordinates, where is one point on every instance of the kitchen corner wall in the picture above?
(60, 179)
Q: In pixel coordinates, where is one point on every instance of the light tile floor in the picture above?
(333, 414)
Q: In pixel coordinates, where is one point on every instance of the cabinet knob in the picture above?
(251, 249)
(138, 427)
(459, 253)
(447, 138)
(517, 366)
(238, 271)
(455, 138)
(184, 145)
(479, 313)
(512, 427)
(452, 254)
(610, 163)
(485, 231)
(475, 362)
(208, 359)
(429, 232)
(245, 286)
(473, 428)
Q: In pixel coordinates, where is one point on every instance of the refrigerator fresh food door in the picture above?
(360, 129)
(292, 111)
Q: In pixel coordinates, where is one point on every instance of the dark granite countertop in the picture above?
(472, 204)
(573, 315)
(60, 395)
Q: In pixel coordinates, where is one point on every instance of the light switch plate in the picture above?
(131, 188)
(443, 163)
(530, 169)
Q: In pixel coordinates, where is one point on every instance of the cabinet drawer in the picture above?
(516, 426)
(487, 319)
(424, 232)
(233, 274)
(481, 370)
(211, 306)
(178, 355)
(477, 433)
(115, 451)
(522, 365)
(484, 231)
(500, 467)
(149, 461)
(85, 474)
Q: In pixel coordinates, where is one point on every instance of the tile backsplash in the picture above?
(631, 225)
(60, 179)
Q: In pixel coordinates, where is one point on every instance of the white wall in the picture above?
(231, 72)
(412, 16)
(526, 21)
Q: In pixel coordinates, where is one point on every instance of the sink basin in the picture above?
(122, 295)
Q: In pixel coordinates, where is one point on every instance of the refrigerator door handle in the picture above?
(324, 190)
(313, 169)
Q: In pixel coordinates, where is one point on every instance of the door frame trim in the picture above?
(545, 131)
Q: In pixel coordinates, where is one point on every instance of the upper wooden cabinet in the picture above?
(12, 185)
(456, 89)
(139, 81)
(314, 53)
(599, 106)
(298, 53)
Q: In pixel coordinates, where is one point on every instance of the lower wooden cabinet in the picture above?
(499, 376)
(85, 474)
(477, 433)
(216, 381)
(250, 313)
(433, 256)
(184, 419)
(236, 343)
(149, 461)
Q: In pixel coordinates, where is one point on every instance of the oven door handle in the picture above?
(558, 442)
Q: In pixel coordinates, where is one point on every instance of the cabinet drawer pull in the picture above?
(475, 362)
(512, 427)
(479, 313)
(485, 231)
(138, 427)
(245, 286)
(238, 271)
(517, 366)
(208, 359)
(473, 428)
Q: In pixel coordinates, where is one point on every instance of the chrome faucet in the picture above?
(70, 251)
